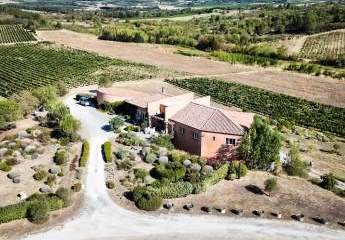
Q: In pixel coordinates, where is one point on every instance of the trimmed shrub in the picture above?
(107, 152)
(51, 180)
(171, 171)
(38, 212)
(110, 184)
(237, 169)
(65, 195)
(20, 210)
(149, 202)
(116, 123)
(140, 173)
(13, 212)
(150, 157)
(85, 152)
(214, 178)
(328, 181)
(174, 190)
(40, 175)
(163, 141)
(76, 187)
(132, 128)
(60, 157)
(5, 167)
(270, 185)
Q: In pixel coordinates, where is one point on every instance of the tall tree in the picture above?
(261, 145)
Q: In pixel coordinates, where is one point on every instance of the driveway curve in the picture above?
(101, 218)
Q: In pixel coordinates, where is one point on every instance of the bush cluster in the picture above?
(21, 210)
(85, 152)
(163, 141)
(130, 139)
(212, 179)
(245, 59)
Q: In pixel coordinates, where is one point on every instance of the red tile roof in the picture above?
(210, 119)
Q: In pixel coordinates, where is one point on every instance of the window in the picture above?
(230, 141)
(195, 135)
(214, 138)
(182, 130)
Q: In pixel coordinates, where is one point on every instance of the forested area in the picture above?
(248, 27)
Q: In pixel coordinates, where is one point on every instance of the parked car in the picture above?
(84, 103)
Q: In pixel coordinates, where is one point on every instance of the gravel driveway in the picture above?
(101, 218)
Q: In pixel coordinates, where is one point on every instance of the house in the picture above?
(195, 125)
(204, 130)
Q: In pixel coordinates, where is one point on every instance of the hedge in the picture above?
(149, 202)
(175, 190)
(214, 178)
(107, 152)
(19, 210)
(85, 152)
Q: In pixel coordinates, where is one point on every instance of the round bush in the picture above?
(38, 212)
(40, 175)
(149, 202)
(150, 157)
(110, 184)
(60, 157)
(65, 195)
(76, 187)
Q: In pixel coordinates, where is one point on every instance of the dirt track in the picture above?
(319, 89)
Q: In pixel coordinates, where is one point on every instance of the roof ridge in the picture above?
(206, 121)
(237, 125)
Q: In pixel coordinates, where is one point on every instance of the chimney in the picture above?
(164, 90)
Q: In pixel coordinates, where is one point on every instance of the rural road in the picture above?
(101, 218)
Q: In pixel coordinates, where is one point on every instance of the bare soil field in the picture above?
(320, 89)
(323, 90)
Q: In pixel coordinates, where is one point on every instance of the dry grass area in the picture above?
(293, 196)
(326, 154)
(293, 45)
(320, 89)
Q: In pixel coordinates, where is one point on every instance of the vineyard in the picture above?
(15, 34)
(328, 45)
(278, 106)
(28, 66)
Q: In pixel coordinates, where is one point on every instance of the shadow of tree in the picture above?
(254, 189)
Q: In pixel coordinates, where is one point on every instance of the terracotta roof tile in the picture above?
(207, 118)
